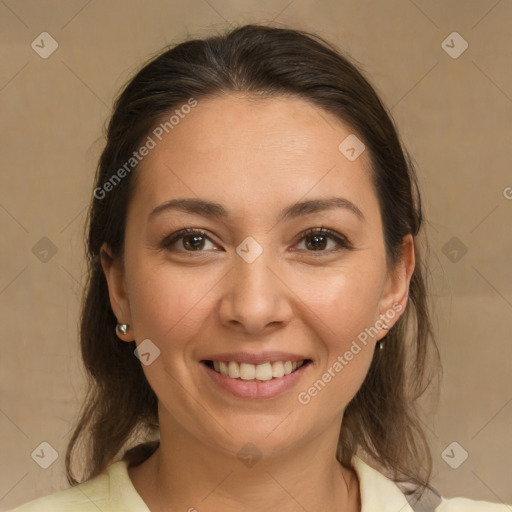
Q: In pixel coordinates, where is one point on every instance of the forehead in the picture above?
(253, 152)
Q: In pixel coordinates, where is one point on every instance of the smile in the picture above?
(261, 372)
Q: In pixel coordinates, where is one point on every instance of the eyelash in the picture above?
(343, 242)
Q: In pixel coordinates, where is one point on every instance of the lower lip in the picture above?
(256, 389)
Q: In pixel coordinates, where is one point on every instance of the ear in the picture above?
(396, 290)
(114, 274)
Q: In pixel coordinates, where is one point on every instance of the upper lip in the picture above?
(255, 358)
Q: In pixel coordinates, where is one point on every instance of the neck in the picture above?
(185, 474)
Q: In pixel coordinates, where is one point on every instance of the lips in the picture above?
(254, 388)
(246, 374)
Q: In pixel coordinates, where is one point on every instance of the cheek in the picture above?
(168, 302)
(344, 302)
(342, 310)
(338, 377)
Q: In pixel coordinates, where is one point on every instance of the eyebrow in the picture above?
(216, 210)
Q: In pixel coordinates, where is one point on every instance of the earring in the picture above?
(122, 329)
(380, 342)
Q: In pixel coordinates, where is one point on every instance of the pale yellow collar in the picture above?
(378, 493)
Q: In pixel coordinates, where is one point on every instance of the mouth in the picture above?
(260, 372)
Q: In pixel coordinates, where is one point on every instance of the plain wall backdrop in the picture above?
(453, 108)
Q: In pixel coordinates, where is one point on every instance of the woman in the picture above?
(253, 246)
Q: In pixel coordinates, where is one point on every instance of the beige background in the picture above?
(454, 116)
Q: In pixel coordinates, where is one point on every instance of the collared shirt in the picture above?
(113, 491)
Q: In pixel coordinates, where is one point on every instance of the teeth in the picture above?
(233, 370)
(247, 371)
(223, 368)
(277, 369)
(262, 372)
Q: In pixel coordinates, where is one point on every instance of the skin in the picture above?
(255, 157)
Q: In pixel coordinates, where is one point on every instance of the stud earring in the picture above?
(122, 329)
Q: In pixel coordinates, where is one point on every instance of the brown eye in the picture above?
(316, 240)
(192, 240)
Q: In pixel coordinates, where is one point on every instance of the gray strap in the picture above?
(428, 502)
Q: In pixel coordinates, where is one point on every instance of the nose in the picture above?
(256, 300)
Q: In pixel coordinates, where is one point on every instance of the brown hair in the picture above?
(262, 61)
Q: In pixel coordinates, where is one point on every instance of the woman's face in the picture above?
(253, 287)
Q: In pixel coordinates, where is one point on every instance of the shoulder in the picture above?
(85, 497)
(467, 505)
(107, 492)
(380, 493)
(433, 502)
